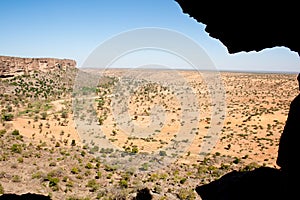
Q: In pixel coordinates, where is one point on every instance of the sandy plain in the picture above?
(172, 113)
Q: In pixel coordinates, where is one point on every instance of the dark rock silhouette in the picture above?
(248, 25)
(259, 184)
(27, 196)
(143, 194)
(289, 140)
(288, 151)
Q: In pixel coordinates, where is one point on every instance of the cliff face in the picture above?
(12, 66)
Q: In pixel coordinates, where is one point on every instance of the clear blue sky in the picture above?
(74, 28)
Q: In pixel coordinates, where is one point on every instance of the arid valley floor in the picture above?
(50, 143)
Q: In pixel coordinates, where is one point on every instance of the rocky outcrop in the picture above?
(143, 194)
(250, 25)
(259, 184)
(11, 66)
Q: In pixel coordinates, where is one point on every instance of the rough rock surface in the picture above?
(11, 66)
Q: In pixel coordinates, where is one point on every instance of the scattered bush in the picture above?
(1, 189)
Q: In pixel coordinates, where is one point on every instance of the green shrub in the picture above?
(2, 132)
(182, 181)
(37, 175)
(93, 185)
(1, 189)
(162, 153)
(64, 114)
(53, 181)
(74, 170)
(7, 117)
(186, 194)
(123, 183)
(16, 178)
(99, 175)
(15, 132)
(43, 115)
(20, 160)
(89, 166)
(16, 148)
(236, 160)
(135, 149)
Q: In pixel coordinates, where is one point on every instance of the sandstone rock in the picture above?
(12, 66)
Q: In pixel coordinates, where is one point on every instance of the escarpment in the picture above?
(12, 66)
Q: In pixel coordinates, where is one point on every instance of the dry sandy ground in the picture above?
(49, 130)
(255, 110)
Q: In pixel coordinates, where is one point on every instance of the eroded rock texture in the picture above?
(11, 66)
